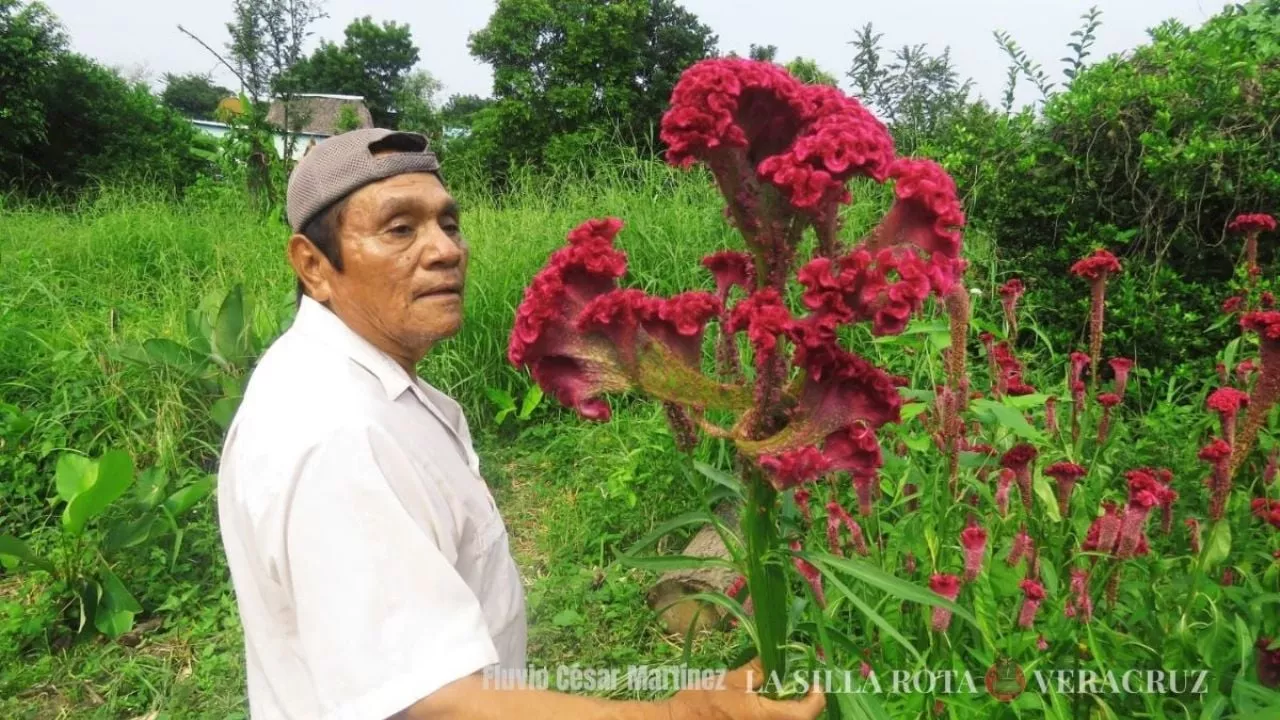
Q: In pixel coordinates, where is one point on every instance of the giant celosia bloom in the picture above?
(1251, 225)
(1096, 268)
(1267, 389)
(1065, 474)
(782, 154)
(947, 586)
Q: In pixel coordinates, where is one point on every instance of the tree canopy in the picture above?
(192, 95)
(373, 61)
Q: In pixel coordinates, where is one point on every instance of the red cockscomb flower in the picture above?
(1218, 454)
(1232, 305)
(1227, 402)
(1019, 459)
(731, 269)
(1104, 533)
(1009, 294)
(974, 541)
(1066, 474)
(1004, 482)
(1268, 510)
(1145, 493)
(1033, 595)
(795, 467)
(947, 586)
(1096, 268)
(1252, 223)
(1121, 367)
(1107, 401)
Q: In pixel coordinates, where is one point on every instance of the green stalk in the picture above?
(766, 577)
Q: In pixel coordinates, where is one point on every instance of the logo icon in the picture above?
(1005, 680)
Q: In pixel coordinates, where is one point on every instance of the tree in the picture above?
(192, 95)
(373, 61)
(416, 107)
(767, 53)
(916, 93)
(581, 68)
(808, 71)
(31, 40)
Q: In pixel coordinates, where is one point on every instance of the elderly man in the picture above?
(371, 566)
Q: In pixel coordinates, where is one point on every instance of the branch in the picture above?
(221, 59)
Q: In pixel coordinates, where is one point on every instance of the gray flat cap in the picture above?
(345, 163)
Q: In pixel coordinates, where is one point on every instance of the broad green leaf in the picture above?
(1011, 419)
(230, 334)
(719, 477)
(74, 474)
(186, 498)
(1219, 545)
(910, 410)
(134, 532)
(1048, 498)
(115, 613)
(151, 486)
(1229, 356)
(223, 411)
(169, 353)
(15, 548)
(198, 332)
(666, 563)
(115, 474)
(500, 397)
(1244, 643)
(1026, 402)
(532, 399)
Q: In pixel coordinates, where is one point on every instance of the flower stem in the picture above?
(766, 576)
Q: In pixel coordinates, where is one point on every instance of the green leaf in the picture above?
(114, 616)
(230, 334)
(150, 487)
(874, 576)
(532, 399)
(15, 548)
(1048, 498)
(74, 474)
(666, 563)
(501, 398)
(1229, 355)
(223, 411)
(134, 532)
(186, 498)
(115, 474)
(198, 332)
(719, 477)
(566, 618)
(871, 614)
(910, 410)
(1026, 402)
(171, 354)
(1219, 545)
(1009, 418)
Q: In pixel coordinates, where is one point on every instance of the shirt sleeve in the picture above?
(383, 618)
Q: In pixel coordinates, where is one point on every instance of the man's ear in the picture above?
(311, 266)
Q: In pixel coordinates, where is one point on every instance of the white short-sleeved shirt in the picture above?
(370, 565)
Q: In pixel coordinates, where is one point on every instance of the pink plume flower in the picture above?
(1252, 223)
(1145, 493)
(801, 497)
(1244, 370)
(1104, 533)
(974, 541)
(1019, 459)
(1193, 534)
(1081, 604)
(1010, 292)
(837, 516)
(810, 574)
(1266, 510)
(1004, 482)
(1023, 546)
(948, 587)
(1033, 595)
(1051, 414)
(1096, 268)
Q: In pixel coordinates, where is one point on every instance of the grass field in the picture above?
(76, 288)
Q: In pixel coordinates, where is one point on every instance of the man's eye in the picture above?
(450, 227)
(402, 230)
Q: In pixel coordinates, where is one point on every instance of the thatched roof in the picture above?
(318, 114)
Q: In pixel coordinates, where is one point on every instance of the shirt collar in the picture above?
(319, 322)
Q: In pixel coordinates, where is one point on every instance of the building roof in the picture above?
(317, 113)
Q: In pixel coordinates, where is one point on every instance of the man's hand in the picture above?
(739, 701)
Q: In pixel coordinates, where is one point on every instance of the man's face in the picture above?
(404, 264)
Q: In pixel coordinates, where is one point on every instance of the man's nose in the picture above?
(442, 250)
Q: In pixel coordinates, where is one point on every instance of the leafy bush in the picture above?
(1151, 154)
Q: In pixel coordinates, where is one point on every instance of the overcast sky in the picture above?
(142, 36)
